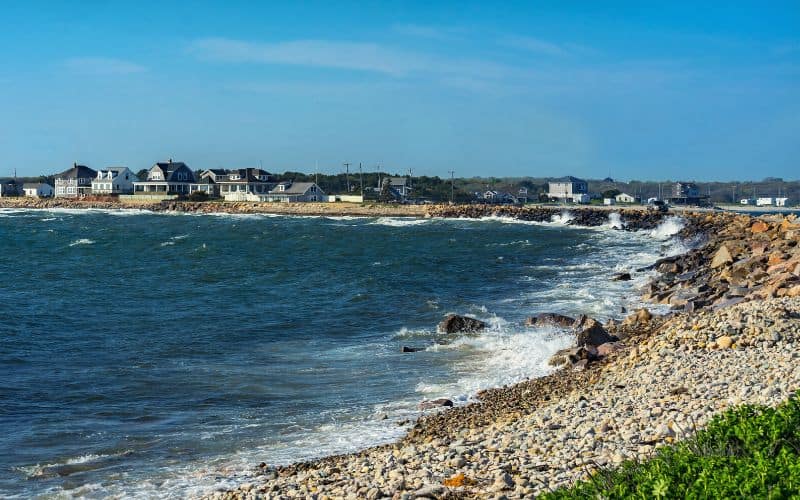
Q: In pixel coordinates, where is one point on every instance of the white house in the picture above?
(38, 189)
(764, 202)
(747, 201)
(114, 180)
(568, 189)
(626, 198)
(609, 201)
(781, 202)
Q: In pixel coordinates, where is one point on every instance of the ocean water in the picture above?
(167, 354)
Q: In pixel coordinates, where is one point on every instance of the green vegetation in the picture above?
(747, 452)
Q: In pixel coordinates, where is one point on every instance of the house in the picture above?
(687, 193)
(569, 189)
(522, 195)
(163, 178)
(609, 201)
(288, 191)
(627, 198)
(781, 202)
(75, 182)
(747, 201)
(498, 197)
(764, 202)
(10, 187)
(38, 189)
(402, 185)
(236, 184)
(114, 180)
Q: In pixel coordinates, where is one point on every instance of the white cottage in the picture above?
(569, 189)
(38, 189)
(626, 198)
(114, 180)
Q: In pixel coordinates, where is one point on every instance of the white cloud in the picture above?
(102, 66)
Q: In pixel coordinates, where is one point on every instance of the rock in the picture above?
(608, 348)
(589, 331)
(759, 227)
(429, 491)
(622, 277)
(411, 349)
(453, 323)
(722, 257)
(503, 481)
(435, 403)
(794, 291)
(550, 319)
(725, 342)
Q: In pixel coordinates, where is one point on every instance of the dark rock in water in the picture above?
(622, 277)
(550, 319)
(589, 331)
(435, 403)
(411, 349)
(453, 323)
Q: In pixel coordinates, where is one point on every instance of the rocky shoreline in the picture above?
(732, 337)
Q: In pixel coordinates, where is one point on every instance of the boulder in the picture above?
(453, 323)
(589, 331)
(550, 319)
(435, 403)
(411, 349)
(608, 348)
(722, 257)
(622, 277)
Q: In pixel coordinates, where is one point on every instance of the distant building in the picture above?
(522, 195)
(747, 201)
(114, 180)
(38, 189)
(687, 193)
(501, 197)
(402, 185)
(236, 184)
(10, 187)
(765, 202)
(569, 189)
(289, 192)
(781, 202)
(165, 178)
(75, 182)
(609, 201)
(627, 198)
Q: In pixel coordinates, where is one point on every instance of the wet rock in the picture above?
(550, 319)
(453, 323)
(406, 348)
(589, 331)
(622, 277)
(608, 348)
(435, 403)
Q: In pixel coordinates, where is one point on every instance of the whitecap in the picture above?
(82, 241)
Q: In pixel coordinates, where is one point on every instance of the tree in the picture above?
(610, 193)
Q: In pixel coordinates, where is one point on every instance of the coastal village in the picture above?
(169, 180)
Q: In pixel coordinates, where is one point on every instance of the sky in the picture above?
(631, 90)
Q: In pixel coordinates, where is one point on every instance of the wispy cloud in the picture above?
(539, 46)
(102, 66)
(430, 32)
(368, 57)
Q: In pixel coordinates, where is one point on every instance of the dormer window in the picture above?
(281, 187)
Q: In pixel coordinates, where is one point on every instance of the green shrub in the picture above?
(746, 452)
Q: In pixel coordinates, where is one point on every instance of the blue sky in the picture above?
(663, 91)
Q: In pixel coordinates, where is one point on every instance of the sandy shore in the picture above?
(733, 337)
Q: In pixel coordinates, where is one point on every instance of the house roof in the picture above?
(169, 168)
(295, 188)
(34, 185)
(398, 181)
(78, 172)
(568, 178)
(118, 170)
(245, 174)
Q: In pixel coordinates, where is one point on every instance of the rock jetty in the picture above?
(732, 337)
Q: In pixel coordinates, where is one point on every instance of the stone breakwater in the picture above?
(663, 379)
(207, 207)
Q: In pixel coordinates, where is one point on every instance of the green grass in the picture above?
(746, 452)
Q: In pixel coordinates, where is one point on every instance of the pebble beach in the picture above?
(730, 338)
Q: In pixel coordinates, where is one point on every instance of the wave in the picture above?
(398, 222)
(668, 228)
(82, 241)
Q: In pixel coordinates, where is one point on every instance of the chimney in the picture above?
(75, 164)
(170, 160)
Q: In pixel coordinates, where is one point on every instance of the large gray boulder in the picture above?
(453, 323)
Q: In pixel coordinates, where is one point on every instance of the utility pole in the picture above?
(361, 180)
(316, 172)
(452, 185)
(347, 175)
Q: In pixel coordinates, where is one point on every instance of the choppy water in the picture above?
(166, 354)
